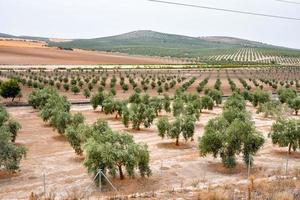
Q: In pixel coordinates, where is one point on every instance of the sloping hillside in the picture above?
(212, 49)
(236, 41)
(153, 43)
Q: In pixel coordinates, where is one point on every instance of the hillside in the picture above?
(153, 43)
(236, 41)
(211, 49)
(145, 43)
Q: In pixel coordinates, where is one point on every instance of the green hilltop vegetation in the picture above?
(161, 44)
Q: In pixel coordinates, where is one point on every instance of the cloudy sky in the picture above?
(97, 18)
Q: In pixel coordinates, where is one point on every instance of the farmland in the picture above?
(49, 147)
(143, 47)
(248, 55)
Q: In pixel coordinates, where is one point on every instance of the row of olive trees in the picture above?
(68, 82)
(10, 153)
(109, 151)
(141, 109)
(287, 97)
(105, 149)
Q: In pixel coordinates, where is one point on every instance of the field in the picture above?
(255, 55)
(85, 77)
(20, 52)
(172, 166)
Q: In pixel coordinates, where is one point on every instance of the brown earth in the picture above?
(28, 52)
(172, 166)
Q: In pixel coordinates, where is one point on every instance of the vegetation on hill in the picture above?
(161, 44)
(211, 50)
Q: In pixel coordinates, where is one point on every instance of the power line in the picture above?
(291, 2)
(226, 10)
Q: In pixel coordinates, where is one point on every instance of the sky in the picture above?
(97, 18)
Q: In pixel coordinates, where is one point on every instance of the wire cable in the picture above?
(225, 10)
(291, 2)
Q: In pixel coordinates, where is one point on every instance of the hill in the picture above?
(144, 43)
(151, 43)
(212, 49)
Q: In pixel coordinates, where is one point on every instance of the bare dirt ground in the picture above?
(172, 166)
(24, 52)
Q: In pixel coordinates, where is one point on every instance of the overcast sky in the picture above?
(97, 18)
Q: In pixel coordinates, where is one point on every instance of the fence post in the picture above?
(100, 175)
(249, 165)
(287, 164)
(44, 183)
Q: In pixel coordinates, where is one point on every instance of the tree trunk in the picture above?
(13, 99)
(290, 148)
(177, 141)
(296, 112)
(121, 172)
(116, 117)
(138, 127)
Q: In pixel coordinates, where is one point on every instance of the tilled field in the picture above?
(172, 167)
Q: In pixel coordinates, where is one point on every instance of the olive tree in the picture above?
(295, 104)
(141, 114)
(10, 89)
(286, 133)
(38, 98)
(177, 107)
(75, 89)
(184, 125)
(97, 99)
(167, 103)
(86, 93)
(230, 134)
(227, 140)
(215, 94)
(10, 154)
(259, 97)
(207, 102)
(73, 132)
(113, 152)
(157, 104)
(271, 108)
(286, 94)
(111, 106)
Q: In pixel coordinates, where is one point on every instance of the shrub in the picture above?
(10, 89)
